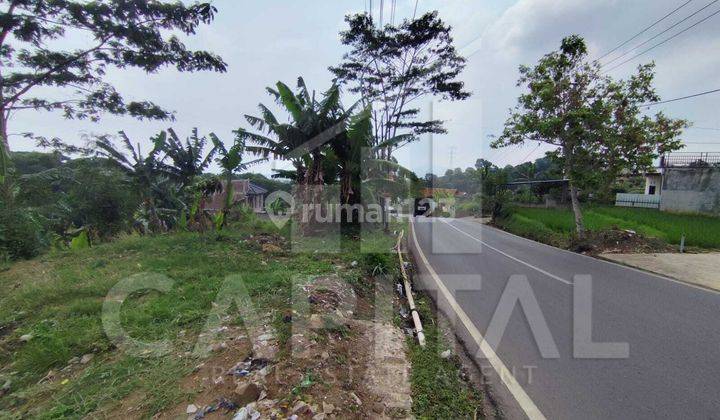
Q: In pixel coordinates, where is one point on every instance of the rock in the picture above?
(354, 264)
(378, 407)
(247, 413)
(191, 409)
(316, 322)
(357, 399)
(324, 355)
(218, 347)
(246, 393)
(302, 408)
(25, 338)
(320, 416)
(266, 337)
(74, 361)
(446, 354)
(328, 408)
(265, 371)
(86, 358)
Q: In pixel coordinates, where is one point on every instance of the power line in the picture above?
(528, 155)
(382, 6)
(644, 30)
(415, 12)
(663, 42)
(705, 128)
(392, 12)
(684, 97)
(658, 35)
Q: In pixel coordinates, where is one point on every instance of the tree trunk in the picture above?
(6, 187)
(312, 193)
(3, 131)
(579, 225)
(386, 213)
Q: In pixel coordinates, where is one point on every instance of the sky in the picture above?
(272, 40)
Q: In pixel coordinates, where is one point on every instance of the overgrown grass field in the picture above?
(700, 231)
(58, 299)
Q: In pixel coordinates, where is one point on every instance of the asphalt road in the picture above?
(672, 329)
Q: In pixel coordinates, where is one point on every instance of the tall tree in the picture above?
(38, 71)
(596, 124)
(394, 66)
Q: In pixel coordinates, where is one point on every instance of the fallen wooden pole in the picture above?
(408, 293)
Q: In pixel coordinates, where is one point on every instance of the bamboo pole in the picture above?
(408, 294)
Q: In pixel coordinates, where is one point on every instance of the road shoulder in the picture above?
(696, 269)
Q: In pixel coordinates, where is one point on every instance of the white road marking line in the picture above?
(553, 276)
(506, 376)
(627, 267)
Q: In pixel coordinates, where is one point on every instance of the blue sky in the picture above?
(267, 41)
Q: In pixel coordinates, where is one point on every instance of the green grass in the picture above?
(58, 299)
(558, 224)
(437, 389)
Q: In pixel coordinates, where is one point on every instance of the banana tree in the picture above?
(304, 139)
(144, 171)
(231, 162)
(187, 158)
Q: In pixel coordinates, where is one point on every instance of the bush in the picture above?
(530, 228)
(469, 208)
(81, 193)
(21, 233)
(378, 263)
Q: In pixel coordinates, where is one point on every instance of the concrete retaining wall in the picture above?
(691, 190)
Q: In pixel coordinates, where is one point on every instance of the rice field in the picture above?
(699, 230)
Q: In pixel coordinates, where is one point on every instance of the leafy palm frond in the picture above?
(128, 145)
(395, 141)
(304, 95)
(330, 102)
(290, 101)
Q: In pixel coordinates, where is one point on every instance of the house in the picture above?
(245, 192)
(683, 182)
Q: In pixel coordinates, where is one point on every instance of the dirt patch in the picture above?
(616, 241)
(267, 243)
(332, 366)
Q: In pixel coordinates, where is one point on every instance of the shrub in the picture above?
(469, 208)
(378, 263)
(21, 233)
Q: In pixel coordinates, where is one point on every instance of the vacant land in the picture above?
(557, 225)
(57, 361)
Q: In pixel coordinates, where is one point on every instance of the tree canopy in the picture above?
(393, 66)
(39, 73)
(596, 124)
